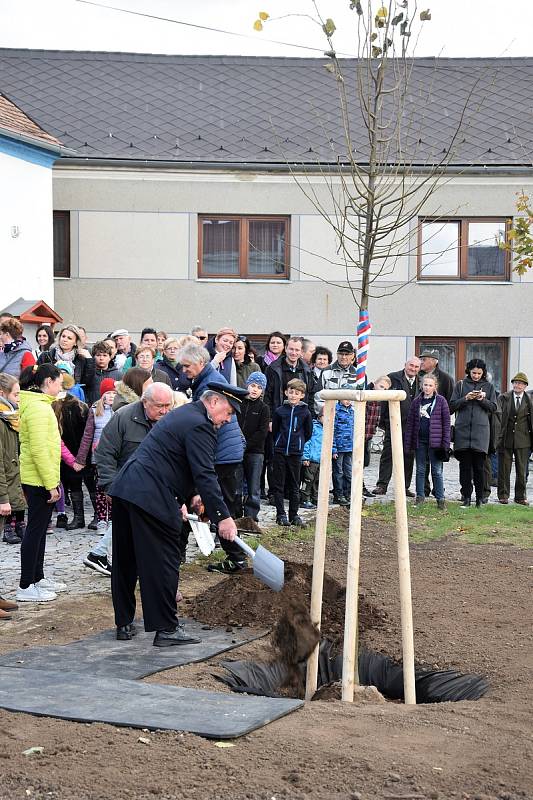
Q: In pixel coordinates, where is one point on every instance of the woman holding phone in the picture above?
(473, 401)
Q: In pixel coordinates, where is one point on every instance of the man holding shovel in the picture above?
(171, 465)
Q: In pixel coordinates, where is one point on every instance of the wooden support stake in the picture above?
(320, 540)
(350, 671)
(402, 536)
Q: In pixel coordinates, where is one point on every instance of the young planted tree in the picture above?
(519, 240)
(388, 169)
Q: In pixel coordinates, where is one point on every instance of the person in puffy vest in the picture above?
(16, 353)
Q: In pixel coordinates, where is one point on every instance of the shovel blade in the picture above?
(269, 569)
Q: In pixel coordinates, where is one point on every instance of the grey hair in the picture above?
(195, 353)
(209, 393)
(197, 328)
(148, 393)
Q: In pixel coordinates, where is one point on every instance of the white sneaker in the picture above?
(34, 594)
(51, 586)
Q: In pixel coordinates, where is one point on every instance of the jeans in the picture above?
(425, 453)
(249, 476)
(342, 475)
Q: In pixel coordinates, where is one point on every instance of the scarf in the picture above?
(62, 356)
(9, 414)
(269, 357)
(12, 345)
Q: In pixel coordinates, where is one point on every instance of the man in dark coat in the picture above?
(172, 464)
(515, 411)
(288, 366)
(405, 379)
(429, 365)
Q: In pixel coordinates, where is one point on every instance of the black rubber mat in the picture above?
(102, 655)
(79, 697)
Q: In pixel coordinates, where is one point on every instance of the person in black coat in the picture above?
(70, 348)
(429, 365)
(150, 495)
(405, 379)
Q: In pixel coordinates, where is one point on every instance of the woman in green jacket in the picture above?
(11, 497)
(40, 455)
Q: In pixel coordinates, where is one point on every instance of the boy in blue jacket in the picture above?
(292, 426)
(342, 452)
(311, 464)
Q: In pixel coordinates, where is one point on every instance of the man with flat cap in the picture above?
(429, 365)
(515, 440)
(173, 464)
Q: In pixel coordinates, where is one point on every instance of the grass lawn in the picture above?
(510, 524)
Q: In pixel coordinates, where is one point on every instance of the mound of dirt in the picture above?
(243, 600)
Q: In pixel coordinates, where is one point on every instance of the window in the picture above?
(243, 247)
(455, 353)
(462, 249)
(61, 244)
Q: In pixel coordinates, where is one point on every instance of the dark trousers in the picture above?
(249, 485)
(227, 479)
(385, 464)
(472, 465)
(310, 478)
(73, 481)
(146, 548)
(521, 457)
(286, 468)
(34, 540)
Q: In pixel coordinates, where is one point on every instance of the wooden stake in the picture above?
(350, 671)
(320, 540)
(402, 536)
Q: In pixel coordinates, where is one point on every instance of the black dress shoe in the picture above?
(366, 492)
(126, 632)
(409, 493)
(171, 638)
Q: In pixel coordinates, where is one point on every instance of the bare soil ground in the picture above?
(473, 612)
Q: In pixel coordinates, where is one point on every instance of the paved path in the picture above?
(65, 550)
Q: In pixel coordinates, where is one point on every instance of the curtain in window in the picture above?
(220, 246)
(266, 247)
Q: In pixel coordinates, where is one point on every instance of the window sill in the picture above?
(62, 277)
(458, 282)
(242, 280)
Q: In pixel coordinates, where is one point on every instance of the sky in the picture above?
(464, 28)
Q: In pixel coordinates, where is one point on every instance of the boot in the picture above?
(20, 528)
(78, 521)
(61, 521)
(10, 535)
(93, 524)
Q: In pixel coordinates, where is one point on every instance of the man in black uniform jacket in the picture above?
(170, 466)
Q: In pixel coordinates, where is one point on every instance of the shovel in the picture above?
(202, 533)
(268, 568)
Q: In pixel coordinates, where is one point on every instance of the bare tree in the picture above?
(388, 171)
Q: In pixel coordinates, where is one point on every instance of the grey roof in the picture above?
(235, 109)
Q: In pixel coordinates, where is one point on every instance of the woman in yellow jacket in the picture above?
(40, 455)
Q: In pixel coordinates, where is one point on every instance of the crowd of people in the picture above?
(74, 416)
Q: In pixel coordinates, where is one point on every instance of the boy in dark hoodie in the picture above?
(102, 355)
(292, 426)
(254, 421)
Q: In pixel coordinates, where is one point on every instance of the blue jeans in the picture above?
(250, 488)
(425, 453)
(342, 475)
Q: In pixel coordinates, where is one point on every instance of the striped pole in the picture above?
(363, 332)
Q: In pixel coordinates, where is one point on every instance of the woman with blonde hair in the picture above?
(169, 363)
(70, 349)
(221, 352)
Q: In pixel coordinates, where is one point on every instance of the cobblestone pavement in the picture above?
(65, 550)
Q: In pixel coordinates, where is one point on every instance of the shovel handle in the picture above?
(246, 547)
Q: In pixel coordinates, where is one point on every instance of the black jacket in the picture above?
(178, 380)
(399, 380)
(254, 419)
(83, 367)
(278, 375)
(174, 462)
(292, 426)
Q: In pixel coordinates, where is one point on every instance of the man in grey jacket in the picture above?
(120, 439)
(342, 374)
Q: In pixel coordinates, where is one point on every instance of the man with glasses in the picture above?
(200, 333)
(342, 374)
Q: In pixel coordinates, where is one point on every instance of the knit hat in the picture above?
(65, 366)
(521, 376)
(107, 385)
(259, 378)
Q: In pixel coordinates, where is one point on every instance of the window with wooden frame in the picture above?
(454, 354)
(61, 244)
(243, 247)
(463, 249)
